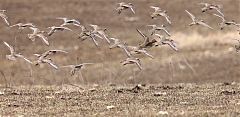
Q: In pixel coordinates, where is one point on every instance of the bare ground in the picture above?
(180, 100)
(206, 57)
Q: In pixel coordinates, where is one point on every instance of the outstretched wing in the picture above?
(51, 63)
(5, 18)
(10, 47)
(21, 56)
(132, 10)
(53, 30)
(204, 24)
(191, 15)
(220, 16)
(44, 39)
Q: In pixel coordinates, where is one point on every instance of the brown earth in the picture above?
(178, 100)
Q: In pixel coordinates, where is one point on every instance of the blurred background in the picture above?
(205, 55)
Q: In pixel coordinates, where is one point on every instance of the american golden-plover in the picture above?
(196, 21)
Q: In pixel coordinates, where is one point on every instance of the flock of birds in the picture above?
(155, 38)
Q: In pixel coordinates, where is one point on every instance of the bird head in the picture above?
(35, 63)
(152, 16)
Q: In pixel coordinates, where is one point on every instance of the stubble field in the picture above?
(196, 81)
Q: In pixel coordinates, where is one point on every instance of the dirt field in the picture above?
(179, 100)
(199, 80)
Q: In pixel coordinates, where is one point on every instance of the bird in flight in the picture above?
(224, 22)
(67, 21)
(23, 26)
(159, 28)
(132, 60)
(85, 34)
(123, 6)
(4, 16)
(117, 43)
(13, 55)
(54, 29)
(208, 6)
(37, 33)
(77, 67)
(158, 12)
(44, 58)
(163, 40)
(196, 21)
(100, 32)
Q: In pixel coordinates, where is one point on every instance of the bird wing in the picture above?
(51, 52)
(68, 66)
(166, 17)
(53, 30)
(55, 51)
(97, 35)
(86, 64)
(10, 47)
(222, 17)
(14, 25)
(171, 44)
(165, 30)
(66, 28)
(204, 24)
(137, 63)
(94, 40)
(76, 21)
(29, 24)
(125, 49)
(191, 15)
(21, 56)
(217, 9)
(5, 18)
(131, 8)
(104, 35)
(44, 39)
(146, 53)
(144, 36)
(51, 63)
